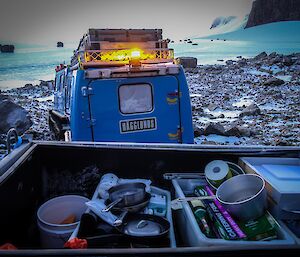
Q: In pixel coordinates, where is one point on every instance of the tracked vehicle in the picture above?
(122, 86)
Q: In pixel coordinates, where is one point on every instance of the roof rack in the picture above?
(119, 47)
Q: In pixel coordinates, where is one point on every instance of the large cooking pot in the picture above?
(243, 196)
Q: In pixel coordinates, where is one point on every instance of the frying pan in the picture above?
(130, 209)
(127, 194)
(129, 197)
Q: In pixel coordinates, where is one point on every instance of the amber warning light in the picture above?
(127, 56)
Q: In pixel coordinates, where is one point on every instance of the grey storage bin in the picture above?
(190, 231)
(154, 190)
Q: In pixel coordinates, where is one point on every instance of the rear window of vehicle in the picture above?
(137, 98)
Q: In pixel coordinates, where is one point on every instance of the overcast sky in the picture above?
(41, 21)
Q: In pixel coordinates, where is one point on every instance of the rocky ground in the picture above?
(246, 102)
(250, 101)
(36, 100)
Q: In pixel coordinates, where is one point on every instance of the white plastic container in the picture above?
(52, 213)
(189, 228)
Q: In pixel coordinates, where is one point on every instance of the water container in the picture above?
(50, 215)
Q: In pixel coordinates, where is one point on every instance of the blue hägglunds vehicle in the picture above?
(122, 86)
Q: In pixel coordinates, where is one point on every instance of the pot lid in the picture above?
(142, 228)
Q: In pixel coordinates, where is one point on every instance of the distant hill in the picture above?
(221, 21)
(227, 24)
(287, 31)
(267, 11)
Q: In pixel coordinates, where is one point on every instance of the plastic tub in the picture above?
(52, 213)
(190, 231)
(168, 216)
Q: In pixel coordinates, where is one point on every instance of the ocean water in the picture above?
(212, 52)
(31, 63)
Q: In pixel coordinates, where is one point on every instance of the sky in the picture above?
(45, 21)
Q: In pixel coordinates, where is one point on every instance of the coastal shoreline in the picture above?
(253, 101)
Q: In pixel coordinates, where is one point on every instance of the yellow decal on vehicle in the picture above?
(173, 136)
(172, 100)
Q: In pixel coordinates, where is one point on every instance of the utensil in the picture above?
(243, 196)
(126, 195)
(130, 209)
(188, 199)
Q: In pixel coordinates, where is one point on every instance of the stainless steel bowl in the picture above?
(244, 196)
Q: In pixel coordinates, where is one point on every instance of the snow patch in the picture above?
(217, 139)
(244, 102)
(286, 31)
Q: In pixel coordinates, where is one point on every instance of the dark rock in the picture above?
(267, 11)
(239, 57)
(214, 128)
(273, 82)
(221, 116)
(277, 59)
(198, 131)
(197, 109)
(13, 116)
(188, 62)
(288, 61)
(226, 98)
(273, 55)
(60, 44)
(212, 107)
(7, 48)
(261, 56)
(242, 62)
(233, 131)
(250, 110)
(229, 62)
(246, 132)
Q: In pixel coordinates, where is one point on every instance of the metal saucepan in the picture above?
(126, 194)
(144, 226)
(243, 196)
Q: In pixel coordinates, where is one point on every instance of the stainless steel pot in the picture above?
(243, 196)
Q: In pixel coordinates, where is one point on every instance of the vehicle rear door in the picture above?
(135, 109)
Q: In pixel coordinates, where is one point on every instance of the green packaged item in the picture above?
(200, 213)
(223, 222)
(221, 226)
(261, 229)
